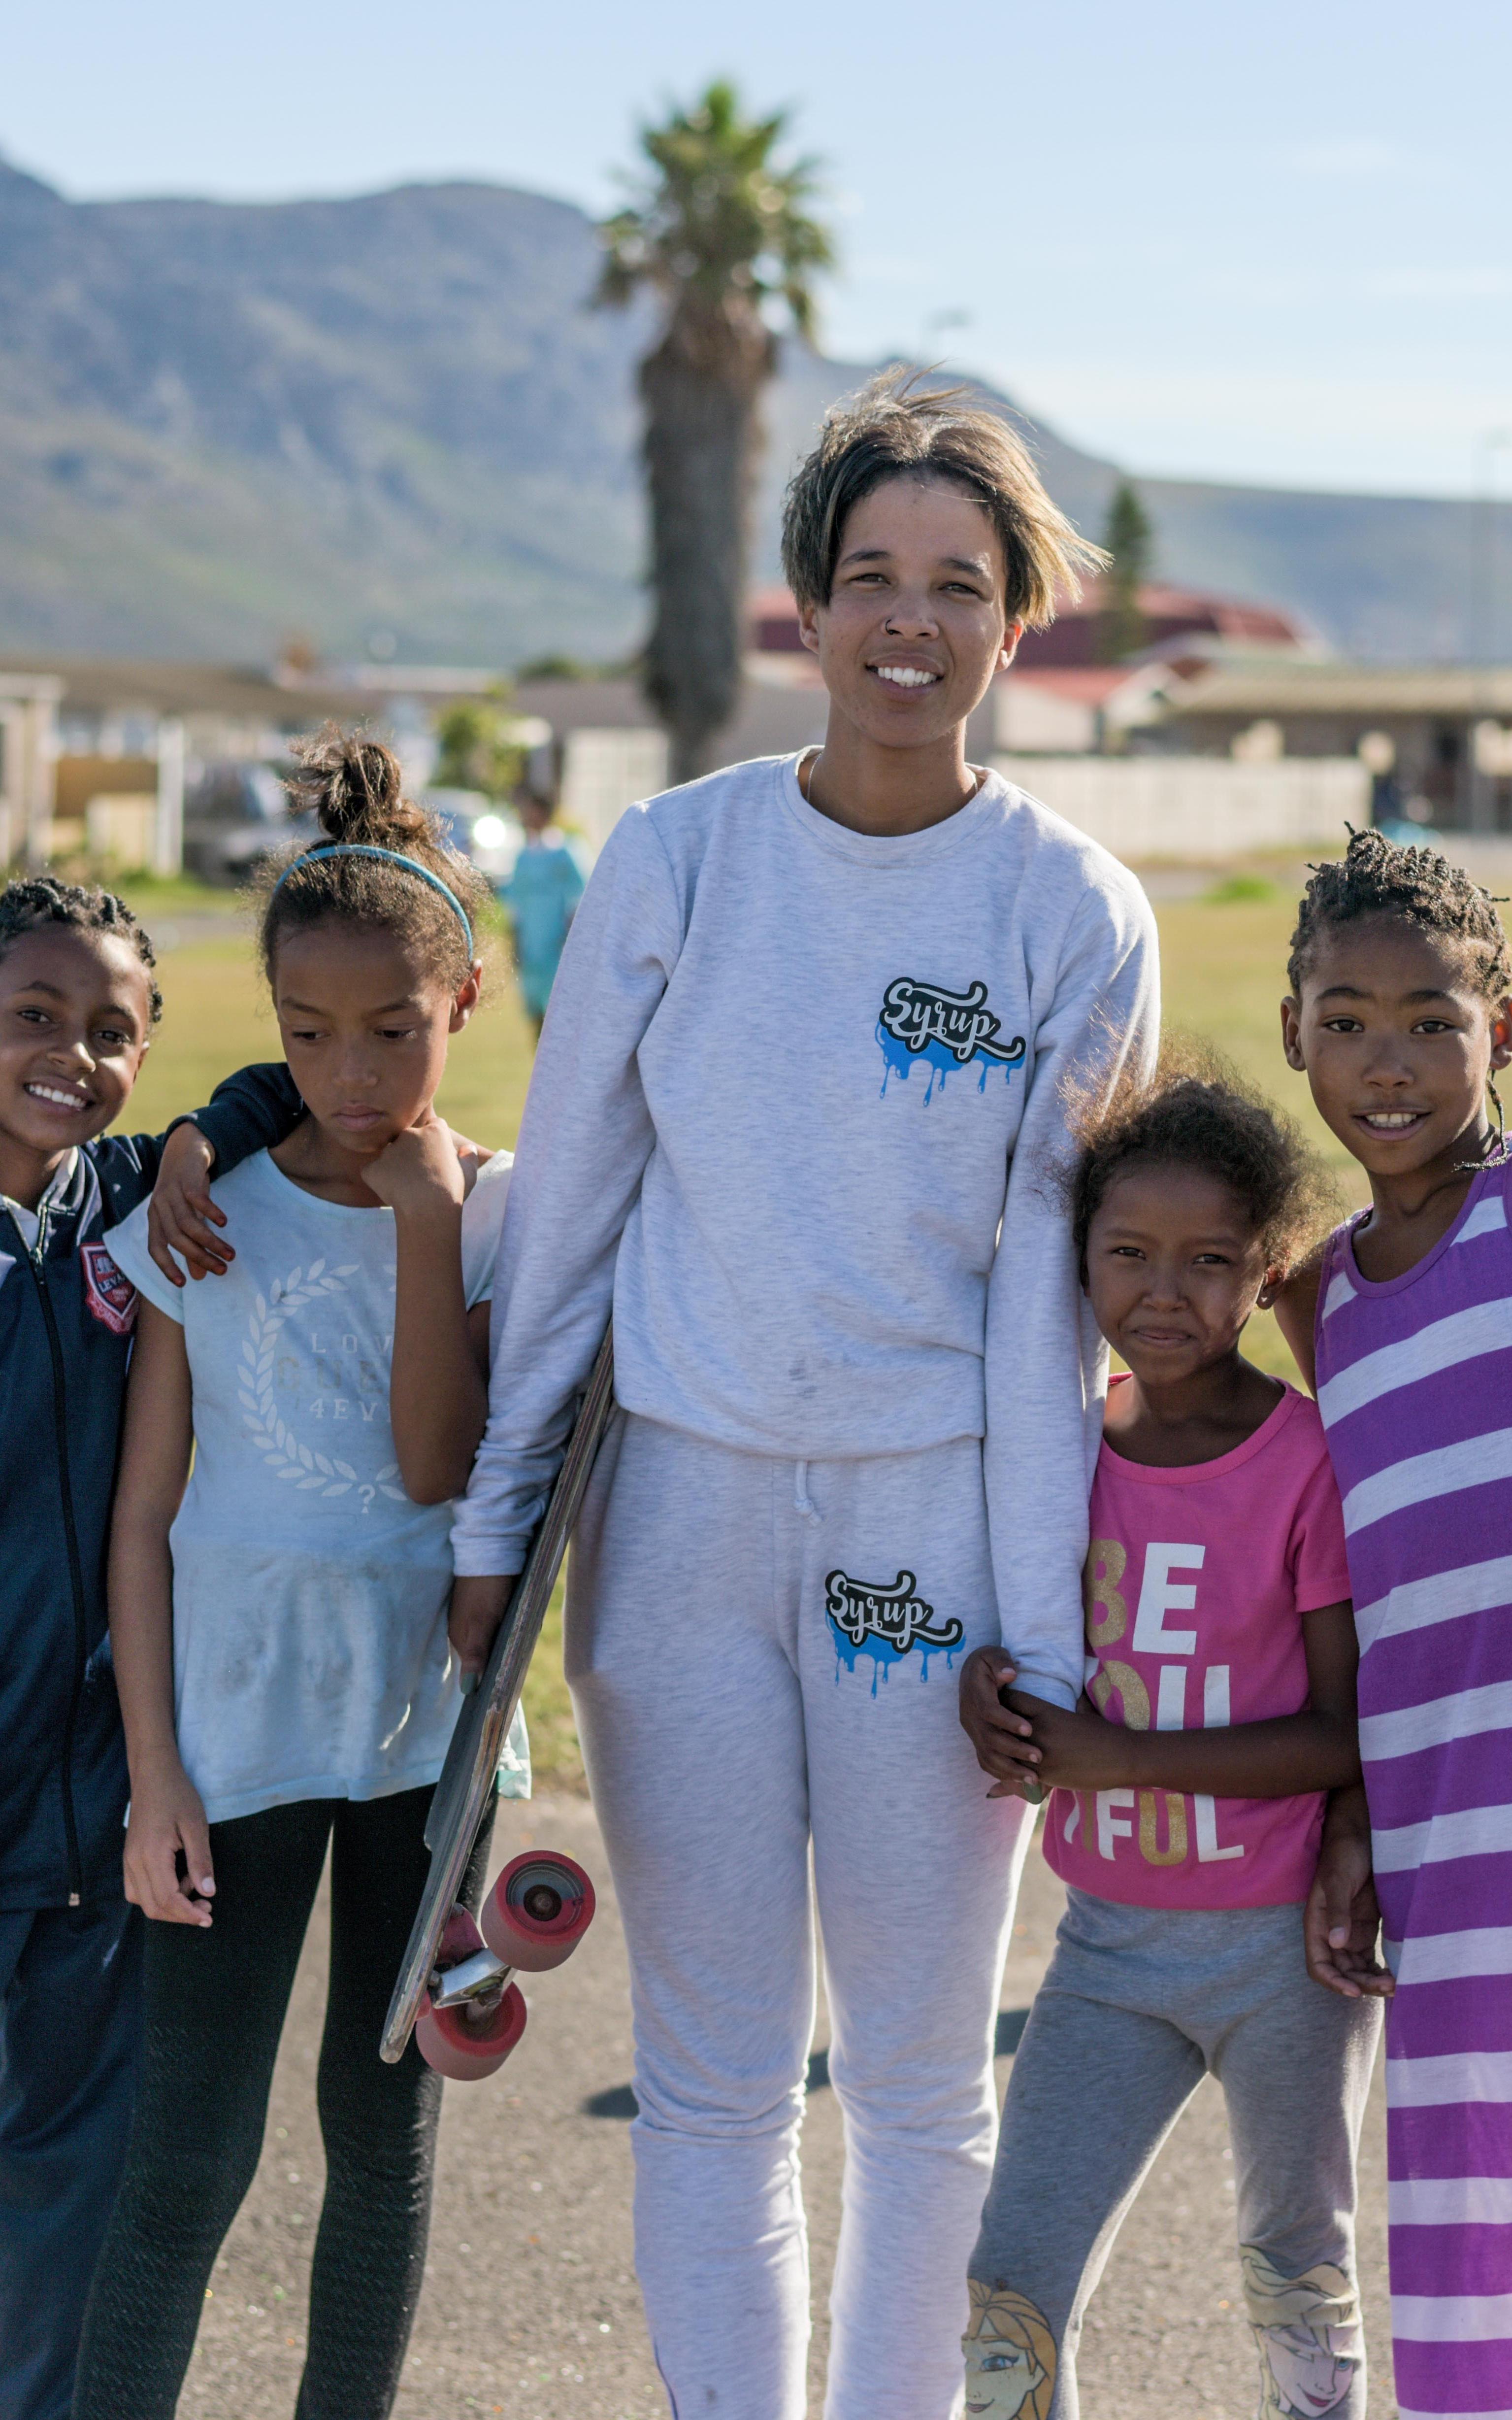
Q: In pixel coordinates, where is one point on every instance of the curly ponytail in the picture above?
(354, 786)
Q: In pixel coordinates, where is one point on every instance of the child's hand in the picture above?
(181, 1215)
(1000, 1736)
(167, 1822)
(419, 1170)
(1077, 1751)
(477, 1610)
(1342, 1917)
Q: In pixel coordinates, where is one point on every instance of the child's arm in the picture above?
(251, 1111)
(167, 1820)
(1342, 1917)
(1283, 1757)
(439, 1384)
(1296, 1315)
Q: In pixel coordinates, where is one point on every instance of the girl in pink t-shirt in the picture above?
(1189, 1785)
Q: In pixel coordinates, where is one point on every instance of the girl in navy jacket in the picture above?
(78, 1003)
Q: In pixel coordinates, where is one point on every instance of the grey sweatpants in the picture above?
(760, 1654)
(1137, 2005)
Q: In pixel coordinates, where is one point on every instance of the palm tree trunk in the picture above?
(701, 388)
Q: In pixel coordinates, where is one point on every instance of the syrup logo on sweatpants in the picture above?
(883, 1622)
(946, 1030)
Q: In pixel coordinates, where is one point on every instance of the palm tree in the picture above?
(722, 237)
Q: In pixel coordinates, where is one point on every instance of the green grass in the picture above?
(1238, 887)
(1224, 970)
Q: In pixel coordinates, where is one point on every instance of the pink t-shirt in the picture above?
(1195, 1584)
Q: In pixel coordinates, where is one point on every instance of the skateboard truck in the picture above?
(472, 2013)
(474, 1982)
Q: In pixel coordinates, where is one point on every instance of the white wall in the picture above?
(603, 772)
(1028, 714)
(1198, 807)
(28, 754)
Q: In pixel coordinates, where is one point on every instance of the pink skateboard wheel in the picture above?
(463, 2044)
(458, 2044)
(538, 1910)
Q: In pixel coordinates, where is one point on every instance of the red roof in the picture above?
(1072, 640)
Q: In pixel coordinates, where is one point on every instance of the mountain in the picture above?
(223, 425)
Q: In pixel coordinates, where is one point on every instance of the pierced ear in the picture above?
(1275, 1278)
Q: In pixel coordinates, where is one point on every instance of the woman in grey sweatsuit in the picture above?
(805, 1060)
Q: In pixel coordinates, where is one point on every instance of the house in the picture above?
(1437, 738)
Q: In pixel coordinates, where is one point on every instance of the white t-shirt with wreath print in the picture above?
(309, 1594)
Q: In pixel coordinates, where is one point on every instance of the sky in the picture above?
(1261, 242)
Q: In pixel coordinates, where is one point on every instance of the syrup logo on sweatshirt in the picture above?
(948, 1030)
(883, 1622)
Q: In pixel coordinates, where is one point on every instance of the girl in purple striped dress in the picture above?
(1399, 1014)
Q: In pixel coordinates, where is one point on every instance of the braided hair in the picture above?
(1376, 877)
(354, 786)
(39, 900)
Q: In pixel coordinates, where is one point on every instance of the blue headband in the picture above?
(389, 857)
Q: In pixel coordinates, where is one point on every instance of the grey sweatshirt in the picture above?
(792, 1115)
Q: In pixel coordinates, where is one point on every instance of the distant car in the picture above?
(477, 827)
(235, 814)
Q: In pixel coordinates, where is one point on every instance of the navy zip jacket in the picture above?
(65, 1317)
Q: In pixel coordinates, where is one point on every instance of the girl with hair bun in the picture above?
(279, 1610)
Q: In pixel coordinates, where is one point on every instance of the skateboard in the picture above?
(455, 1990)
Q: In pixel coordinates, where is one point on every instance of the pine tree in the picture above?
(1130, 540)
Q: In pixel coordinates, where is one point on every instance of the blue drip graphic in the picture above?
(883, 1655)
(941, 1062)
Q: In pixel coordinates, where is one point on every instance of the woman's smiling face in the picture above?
(915, 628)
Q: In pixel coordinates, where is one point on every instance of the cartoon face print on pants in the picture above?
(946, 1030)
(1010, 2353)
(1306, 2333)
(883, 1622)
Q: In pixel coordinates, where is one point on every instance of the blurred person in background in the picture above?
(542, 895)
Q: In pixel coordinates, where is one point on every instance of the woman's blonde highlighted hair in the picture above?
(897, 428)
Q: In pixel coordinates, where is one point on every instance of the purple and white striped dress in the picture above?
(1416, 1390)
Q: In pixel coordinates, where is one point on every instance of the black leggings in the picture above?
(216, 2001)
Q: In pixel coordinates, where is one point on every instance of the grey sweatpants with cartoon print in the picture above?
(763, 1655)
(1137, 2005)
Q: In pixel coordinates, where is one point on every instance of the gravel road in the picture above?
(529, 2303)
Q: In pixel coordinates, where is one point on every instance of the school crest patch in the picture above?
(110, 1294)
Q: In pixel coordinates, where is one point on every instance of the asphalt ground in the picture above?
(530, 2301)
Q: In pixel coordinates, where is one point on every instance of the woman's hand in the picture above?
(181, 1216)
(167, 1822)
(1001, 1737)
(419, 1170)
(1342, 1917)
(477, 1610)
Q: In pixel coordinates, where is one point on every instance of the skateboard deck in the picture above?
(473, 1759)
